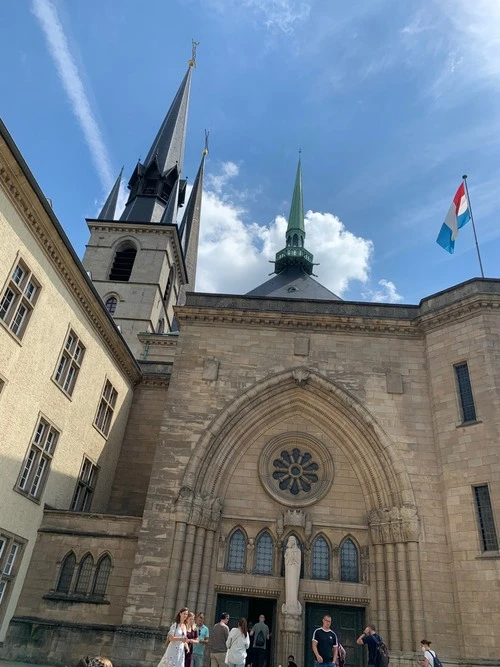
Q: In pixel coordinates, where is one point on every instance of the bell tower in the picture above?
(142, 263)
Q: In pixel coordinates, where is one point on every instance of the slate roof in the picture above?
(294, 283)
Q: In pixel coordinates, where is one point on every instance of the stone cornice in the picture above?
(297, 321)
(145, 228)
(26, 196)
(159, 340)
(408, 322)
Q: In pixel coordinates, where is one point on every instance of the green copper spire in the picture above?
(296, 233)
(294, 254)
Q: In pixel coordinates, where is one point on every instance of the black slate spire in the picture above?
(153, 181)
(108, 211)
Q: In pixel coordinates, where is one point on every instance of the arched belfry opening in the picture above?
(123, 262)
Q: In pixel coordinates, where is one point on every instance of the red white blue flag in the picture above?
(457, 217)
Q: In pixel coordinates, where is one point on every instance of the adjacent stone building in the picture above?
(370, 432)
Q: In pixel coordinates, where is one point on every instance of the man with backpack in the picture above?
(378, 655)
(260, 634)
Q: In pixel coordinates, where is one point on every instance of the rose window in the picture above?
(295, 471)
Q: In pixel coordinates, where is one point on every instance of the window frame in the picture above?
(349, 538)
(19, 279)
(85, 486)
(9, 541)
(270, 572)
(481, 528)
(329, 558)
(106, 409)
(115, 299)
(237, 531)
(461, 390)
(38, 459)
(72, 362)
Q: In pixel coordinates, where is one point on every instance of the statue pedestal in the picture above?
(291, 635)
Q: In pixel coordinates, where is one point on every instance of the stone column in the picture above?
(208, 553)
(417, 605)
(380, 586)
(392, 599)
(404, 597)
(174, 574)
(186, 567)
(211, 584)
(195, 574)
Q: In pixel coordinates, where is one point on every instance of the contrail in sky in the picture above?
(46, 13)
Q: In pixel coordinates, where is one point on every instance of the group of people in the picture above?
(246, 645)
(188, 636)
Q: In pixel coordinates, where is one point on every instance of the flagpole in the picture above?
(473, 225)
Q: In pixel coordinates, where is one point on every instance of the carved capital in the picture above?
(393, 525)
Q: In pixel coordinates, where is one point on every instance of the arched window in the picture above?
(349, 561)
(123, 262)
(111, 304)
(299, 544)
(66, 573)
(84, 575)
(160, 327)
(295, 240)
(101, 577)
(264, 554)
(320, 559)
(236, 552)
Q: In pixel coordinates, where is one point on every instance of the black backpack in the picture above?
(382, 655)
(437, 661)
(260, 640)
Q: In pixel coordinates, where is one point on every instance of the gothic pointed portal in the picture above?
(294, 254)
(108, 211)
(154, 181)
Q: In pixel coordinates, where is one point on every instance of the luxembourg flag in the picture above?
(457, 217)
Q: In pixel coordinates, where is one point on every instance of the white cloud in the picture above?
(276, 15)
(386, 293)
(216, 181)
(234, 252)
(51, 25)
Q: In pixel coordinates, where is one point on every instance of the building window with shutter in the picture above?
(36, 466)
(485, 518)
(11, 550)
(123, 262)
(85, 487)
(106, 408)
(467, 407)
(69, 363)
(18, 299)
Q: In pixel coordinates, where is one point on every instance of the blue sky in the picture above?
(390, 102)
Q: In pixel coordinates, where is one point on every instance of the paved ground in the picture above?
(8, 663)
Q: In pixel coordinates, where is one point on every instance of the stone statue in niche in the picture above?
(293, 558)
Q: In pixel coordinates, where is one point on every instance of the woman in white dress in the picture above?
(176, 642)
(237, 644)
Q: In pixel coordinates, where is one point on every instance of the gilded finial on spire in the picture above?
(205, 150)
(192, 60)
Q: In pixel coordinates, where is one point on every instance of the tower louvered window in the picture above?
(123, 263)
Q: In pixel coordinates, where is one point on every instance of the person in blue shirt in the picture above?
(371, 639)
(199, 648)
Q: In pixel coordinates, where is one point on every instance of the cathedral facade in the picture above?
(368, 432)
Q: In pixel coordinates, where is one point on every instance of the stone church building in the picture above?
(370, 432)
